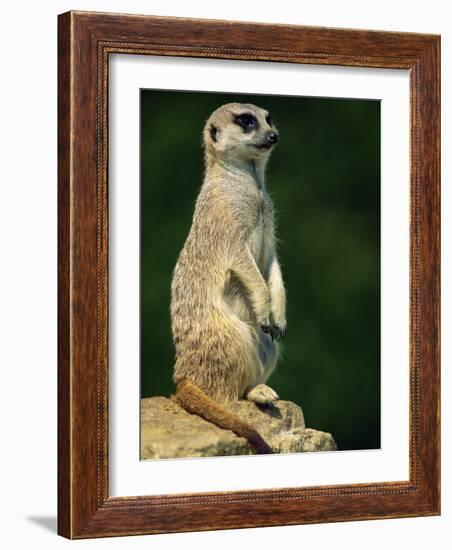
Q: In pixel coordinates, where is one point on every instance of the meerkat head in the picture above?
(239, 132)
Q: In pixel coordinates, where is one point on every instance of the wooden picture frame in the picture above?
(85, 42)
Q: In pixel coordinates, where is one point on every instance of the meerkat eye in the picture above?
(269, 120)
(247, 121)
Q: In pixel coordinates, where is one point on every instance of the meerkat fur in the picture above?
(227, 294)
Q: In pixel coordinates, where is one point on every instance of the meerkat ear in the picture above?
(213, 133)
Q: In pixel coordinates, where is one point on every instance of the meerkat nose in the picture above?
(272, 137)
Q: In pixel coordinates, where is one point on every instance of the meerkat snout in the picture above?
(272, 137)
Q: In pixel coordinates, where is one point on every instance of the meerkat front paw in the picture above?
(265, 324)
(262, 394)
(279, 323)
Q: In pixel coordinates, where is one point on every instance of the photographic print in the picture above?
(260, 274)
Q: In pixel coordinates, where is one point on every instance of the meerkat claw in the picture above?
(267, 329)
(280, 331)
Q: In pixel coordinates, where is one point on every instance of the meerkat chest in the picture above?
(261, 234)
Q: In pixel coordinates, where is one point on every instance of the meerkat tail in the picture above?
(192, 399)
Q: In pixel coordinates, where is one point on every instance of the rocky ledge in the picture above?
(167, 431)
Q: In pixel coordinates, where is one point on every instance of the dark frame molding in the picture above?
(85, 41)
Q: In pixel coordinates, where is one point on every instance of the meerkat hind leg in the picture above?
(262, 394)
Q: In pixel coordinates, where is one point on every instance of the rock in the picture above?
(167, 431)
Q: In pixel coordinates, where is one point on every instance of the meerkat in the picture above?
(228, 302)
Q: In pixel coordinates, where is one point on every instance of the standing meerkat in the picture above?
(227, 294)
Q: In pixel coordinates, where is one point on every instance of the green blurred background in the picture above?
(324, 177)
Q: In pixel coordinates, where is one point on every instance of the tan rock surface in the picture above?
(167, 431)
